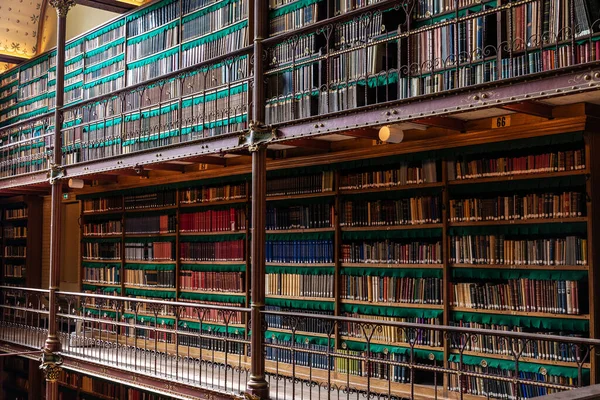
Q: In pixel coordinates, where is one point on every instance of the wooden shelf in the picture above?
(187, 234)
(149, 209)
(116, 211)
(519, 313)
(106, 261)
(301, 196)
(391, 344)
(300, 230)
(390, 227)
(395, 188)
(146, 287)
(302, 265)
(521, 222)
(518, 177)
(84, 282)
(572, 364)
(104, 235)
(513, 266)
(285, 297)
(213, 203)
(392, 266)
(150, 262)
(212, 262)
(150, 235)
(224, 293)
(94, 394)
(220, 323)
(322, 335)
(397, 305)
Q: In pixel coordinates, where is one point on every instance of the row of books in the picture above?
(353, 363)
(404, 174)
(312, 323)
(428, 8)
(409, 211)
(496, 249)
(198, 50)
(232, 219)
(299, 285)
(503, 389)
(299, 251)
(150, 200)
(517, 207)
(151, 224)
(114, 227)
(158, 41)
(217, 344)
(206, 194)
(101, 251)
(102, 204)
(15, 213)
(14, 271)
(291, 185)
(230, 250)
(15, 251)
(349, 67)
(525, 295)
(198, 313)
(145, 72)
(387, 289)
(207, 22)
(536, 349)
(316, 357)
(103, 274)
(320, 215)
(389, 334)
(156, 251)
(294, 19)
(570, 160)
(137, 277)
(302, 47)
(390, 252)
(211, 281)
(15, 232)
(287, 108)
(153, 19)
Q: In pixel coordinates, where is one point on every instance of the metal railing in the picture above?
(308, 356)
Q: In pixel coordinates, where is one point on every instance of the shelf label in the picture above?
(501, 122)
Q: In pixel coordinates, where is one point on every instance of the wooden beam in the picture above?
(363, 133)
(531, 108)
(10, 59)
(207, 160)
(309, 144)
(108, 5)
(443, 122)
(165, 167)
(101, 177)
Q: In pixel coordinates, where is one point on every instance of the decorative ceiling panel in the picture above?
(19, 21)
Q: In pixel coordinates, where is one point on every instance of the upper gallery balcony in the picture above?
(178, 76)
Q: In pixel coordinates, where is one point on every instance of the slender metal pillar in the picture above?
(257, 386)
(51, 360)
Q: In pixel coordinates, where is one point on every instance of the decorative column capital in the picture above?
(258, 135)
(62, 6)
(51, 365)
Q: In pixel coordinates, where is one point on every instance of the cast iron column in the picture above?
(51, 360)
(257, 385)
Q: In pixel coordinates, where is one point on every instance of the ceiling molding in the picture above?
(108, 5)
(41, 24)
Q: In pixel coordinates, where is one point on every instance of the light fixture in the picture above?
(391, 134)
(76, 183)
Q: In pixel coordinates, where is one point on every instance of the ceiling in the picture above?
(21, 24)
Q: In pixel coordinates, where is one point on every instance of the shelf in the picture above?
(93, 394)
(105, 212)
(213, 203)
(301, 230)
(391, 344)
(392, 266)
(400, 305)
(233, 262)
(193, 319)
(146, 287)
(15, 219)
(301, 196)
(149, 235)
(224, 293)
(104, 235)
(104, 261)
(572, 364)
(515, 177)
(519, 313)
(141, 210)
(274, 296)
(322, 335)
(511, 266)
(150, 262)
(520, 222)
(184, 234)
(84, 282)
(391, 227)
(307, 265)
(392, 188)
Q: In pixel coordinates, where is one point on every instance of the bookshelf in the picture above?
(21, 239)
(412, 236)
(21, 377)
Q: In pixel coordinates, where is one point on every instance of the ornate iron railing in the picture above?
(307, 355)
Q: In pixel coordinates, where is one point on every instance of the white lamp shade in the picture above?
(391, 134)
(75, 183)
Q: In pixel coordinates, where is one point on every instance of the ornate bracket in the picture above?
(51, 365)
(56, 172)
(248, 396)
(258, 135)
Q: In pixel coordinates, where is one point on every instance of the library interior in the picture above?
(299, 199)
